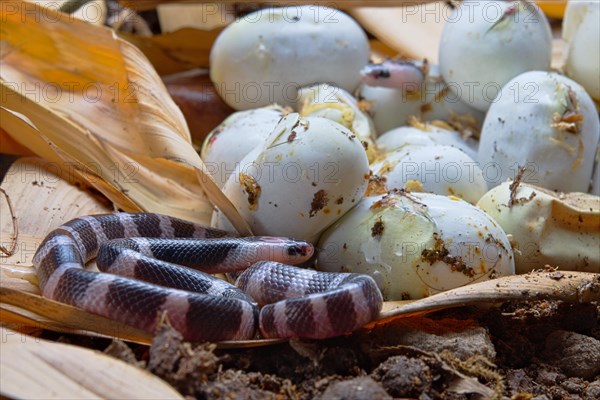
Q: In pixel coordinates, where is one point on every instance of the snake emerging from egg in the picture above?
(153, 264)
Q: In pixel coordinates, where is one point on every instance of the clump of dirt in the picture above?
(535, 350)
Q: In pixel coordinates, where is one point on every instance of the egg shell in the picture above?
(336, 104)
(443, 170)
(416, 245)
(426, 135)
(581, 31)
(308, 174)
(548, 228)
(267, 55)
(391, 108)
(485, 44)
(523, 128)
(235, 137)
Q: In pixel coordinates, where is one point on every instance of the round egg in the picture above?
(416, 244)
(443, 170)
(267, 55)
(309, 172)
(558, 229)
(336, 104)
(581, 31)
(391, 108)
(235, 137)
(425, 134)
(545, 123)
(485, 44)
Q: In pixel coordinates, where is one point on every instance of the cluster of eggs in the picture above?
(420, 206)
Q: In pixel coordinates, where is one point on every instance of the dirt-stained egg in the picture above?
(438, 169)
(267, 55)
(235, 137)
(485, 44)
(547, 228)
(308, 173)
(416, 244)
(546, 123)
(336, 104)
(391, 107)
(426, 134)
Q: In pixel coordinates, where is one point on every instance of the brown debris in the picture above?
(514, 187)
(441, 253)
(377, 229)
(252, 190)
(318, 202)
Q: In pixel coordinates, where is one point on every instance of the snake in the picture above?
(151, 265)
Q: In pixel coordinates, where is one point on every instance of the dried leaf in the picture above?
(37, 369)
(96, 101)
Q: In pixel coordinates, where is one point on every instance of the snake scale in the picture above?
(153, 264)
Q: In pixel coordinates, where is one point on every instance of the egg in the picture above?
(443, 170)
(485, 44)
(426, 134)
(336, 104)
(391, 108)
(308, 173)
(546, 123)
(227, 144)
(416, 244)
(267, 55)
(581, 31)
(546, 227)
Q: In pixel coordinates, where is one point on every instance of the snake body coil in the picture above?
(153, 264)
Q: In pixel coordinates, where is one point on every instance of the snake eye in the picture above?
(298, 250)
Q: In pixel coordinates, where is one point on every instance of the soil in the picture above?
(535, 350)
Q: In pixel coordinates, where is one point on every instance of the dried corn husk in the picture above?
(73, 92)
(31, 368)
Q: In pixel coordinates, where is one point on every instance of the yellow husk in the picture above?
(94, 100)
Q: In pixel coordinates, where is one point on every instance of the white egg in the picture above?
(485, 44)
(439, 169)
(336, 104)
(561, 230)
(581, 31)
(545, 123)
(308, 173)
(235, 137)
(267, 55)
(391, 108)
(416, 244)
(426, 134)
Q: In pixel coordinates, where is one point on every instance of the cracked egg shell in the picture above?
(391, 108)
(485, 44)
(417, 244)
(443, 170)
(547, 123)
(267, 55)
(235, 137)
(426, 134)
(309, 172)
(547, 228)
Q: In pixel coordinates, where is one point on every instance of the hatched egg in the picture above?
(417, 244)
(426, 134)
(443, 170)
(558, 229)
(308, 173)
(485, 44)
(227, 144)
(267, 55)
(391, 108)
(546, 123)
